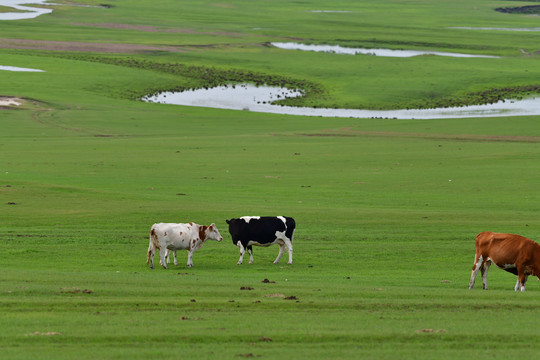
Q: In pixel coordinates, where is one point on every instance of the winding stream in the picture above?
(259, 99)
(25, 12)
(249, 97)
(336, 49)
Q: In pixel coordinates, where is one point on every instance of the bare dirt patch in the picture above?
(348, 132)
(82, 46)
(275, 295)
(224, 6)
(48, 333)
(144, 28)
(147, 28)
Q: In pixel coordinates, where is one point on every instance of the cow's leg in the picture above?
(162, 260)
(250, 252)
(190, 258)
(242, 251)
(522, 278)
(476, 267)
(168, 256)
(151, 249)
(484, 269)
(280, 254)
(288, 244)
(151, 253)
(518, 285)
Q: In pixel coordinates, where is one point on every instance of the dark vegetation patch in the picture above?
(530, 9)
(349, 132)
(203, 77)
(73, 290)
(489, 96)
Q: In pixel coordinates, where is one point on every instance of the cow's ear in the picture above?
(228, 221)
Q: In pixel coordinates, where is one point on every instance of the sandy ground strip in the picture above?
(82, 46)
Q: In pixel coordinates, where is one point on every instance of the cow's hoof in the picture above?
(239, 263)
(289, 263)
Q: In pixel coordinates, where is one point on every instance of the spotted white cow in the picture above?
(171, 237)
(262, 231)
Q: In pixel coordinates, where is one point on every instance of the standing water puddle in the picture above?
(258, 99)
(15, 68)
(235, 97)
(336, 49)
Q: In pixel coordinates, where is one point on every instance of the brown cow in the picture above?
(513, 253)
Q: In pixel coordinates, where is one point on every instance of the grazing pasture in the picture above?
(386, 210)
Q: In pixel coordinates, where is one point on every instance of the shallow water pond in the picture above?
(235, 97)
(258, 99)
(336, 49)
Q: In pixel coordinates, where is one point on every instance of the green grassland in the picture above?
(386, 209)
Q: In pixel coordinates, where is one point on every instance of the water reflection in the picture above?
(26, 12)
(336, 49)
(258, 99)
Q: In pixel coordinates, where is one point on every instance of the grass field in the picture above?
(386, 210)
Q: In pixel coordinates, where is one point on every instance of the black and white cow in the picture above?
(262, 231)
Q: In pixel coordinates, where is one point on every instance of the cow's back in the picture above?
(175, 236)
(505, 249)
(165, 229)
(261, 229)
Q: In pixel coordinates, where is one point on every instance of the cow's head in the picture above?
(212, 233)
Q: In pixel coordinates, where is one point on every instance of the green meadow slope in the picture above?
(386, 210)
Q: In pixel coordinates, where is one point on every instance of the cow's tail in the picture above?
(152, 244)
(291, 225)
